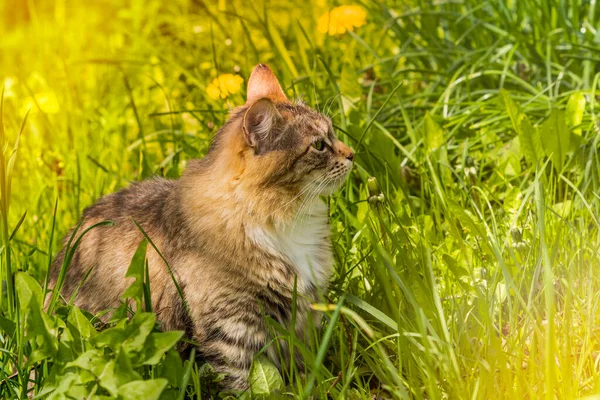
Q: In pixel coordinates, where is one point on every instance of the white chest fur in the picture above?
(303, 243)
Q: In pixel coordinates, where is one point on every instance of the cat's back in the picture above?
(107, 250)
(144, 205)
(141, 200)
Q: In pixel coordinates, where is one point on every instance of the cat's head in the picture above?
(288, 144)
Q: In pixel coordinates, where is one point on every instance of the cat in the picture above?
(240, 229)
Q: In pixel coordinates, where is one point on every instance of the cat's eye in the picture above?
(319, 145)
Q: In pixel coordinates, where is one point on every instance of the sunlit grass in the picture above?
(467, 238)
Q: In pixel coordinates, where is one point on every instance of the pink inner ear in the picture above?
(264, 84)
(258, 120)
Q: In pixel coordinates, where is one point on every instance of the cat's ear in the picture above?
(259, 120)
(263, 83)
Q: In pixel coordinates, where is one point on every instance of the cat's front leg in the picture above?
(230, 344)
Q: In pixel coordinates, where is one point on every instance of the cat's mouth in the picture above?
(335, 178)
(326, 182)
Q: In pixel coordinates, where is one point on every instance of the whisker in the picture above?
(308, 201)
(304, 190)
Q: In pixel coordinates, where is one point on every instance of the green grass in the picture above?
(467, 238)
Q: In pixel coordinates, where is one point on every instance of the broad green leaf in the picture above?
(134, 291)
(124, 369)
(77, 392)
(38, 355)
(173, 394)
(172, 368)
(264, 377)
(575, 110)
(136, 270)
(143, 390)
(111, 338)
(206, 372)
(61, 386)
(556, 138)
(79, 326)
(117, 373)
(137, 331)
(7, 326)
(67, 351)
(434, 134)
(91, 360)
(157, 345)
(512, 109)
(27, 288)
(120, 314)
(136, 267)
(529, 140)
(86, 376)
(509, 161)
(108, 379)
(40, 328)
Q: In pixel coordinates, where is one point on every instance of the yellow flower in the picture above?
(342, 19)
(224, 85)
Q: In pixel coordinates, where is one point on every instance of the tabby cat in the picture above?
(239, 229)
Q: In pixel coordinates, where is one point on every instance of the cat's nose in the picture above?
(345, 151)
